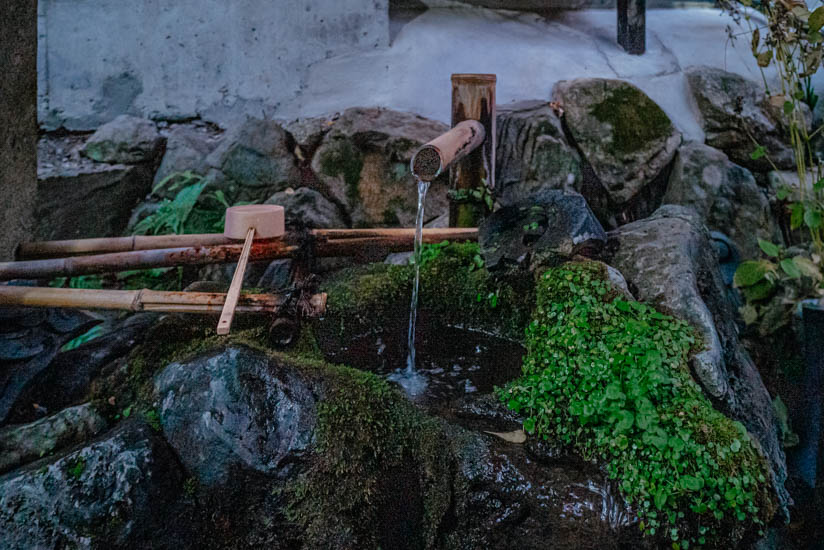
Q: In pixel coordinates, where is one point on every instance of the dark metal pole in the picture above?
(632, 25)
(473, 98)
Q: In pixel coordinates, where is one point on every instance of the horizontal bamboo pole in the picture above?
(263, 250)
(78, 247)
(145, 300)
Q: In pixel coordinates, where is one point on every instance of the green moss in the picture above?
(172, 339)
(635, 119)
(454, 288)
(77, 468)
(610, 378)
(367, 432)
(345, 161)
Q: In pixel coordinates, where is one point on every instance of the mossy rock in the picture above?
(625, 136)
(362, 164)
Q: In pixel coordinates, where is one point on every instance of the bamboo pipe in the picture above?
(264, 250)
(434, 157)
(146, 300)
(81, 247)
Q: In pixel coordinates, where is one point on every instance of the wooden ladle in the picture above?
(251, 221)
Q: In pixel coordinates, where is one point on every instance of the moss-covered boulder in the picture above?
(609, 378)
(625, 137)
(669, 261)
(363, 164)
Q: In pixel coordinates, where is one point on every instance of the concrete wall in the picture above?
(18, 121)
(220, 59)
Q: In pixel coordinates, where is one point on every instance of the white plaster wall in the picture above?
(219, 59)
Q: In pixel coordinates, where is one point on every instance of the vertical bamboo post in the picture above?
(632, 25)
(473, 98)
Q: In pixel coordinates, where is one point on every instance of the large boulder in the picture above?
(668, 260)
(543, 229)
(724, 194)
(625, 137)
(232, 411)
(306, 207)
(254, 160)
(363, 165)
(110, 494)
(532, 152)
(124, 140)
(735, 111)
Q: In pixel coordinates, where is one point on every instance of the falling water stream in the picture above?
(413, 382)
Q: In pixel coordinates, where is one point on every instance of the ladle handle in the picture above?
(228, 313)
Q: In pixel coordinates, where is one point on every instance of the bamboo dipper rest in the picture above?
(262, 221)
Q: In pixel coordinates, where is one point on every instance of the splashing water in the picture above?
(413, 382)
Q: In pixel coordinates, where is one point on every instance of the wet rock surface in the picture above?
(235, 410)
(29, 340)
(543, 229)
(68, 377)
(111, 494)
(24, 443)
(725, 195)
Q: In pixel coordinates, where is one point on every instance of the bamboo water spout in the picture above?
(434, 157)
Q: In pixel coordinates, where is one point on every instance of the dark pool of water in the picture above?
(452, 362)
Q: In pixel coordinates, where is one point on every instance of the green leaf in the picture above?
(769, 248)
(788, 107)
(790, 268)
(756, 39)
(614, 391)
(676, 443)
(808, 268)
(819, 185)
(812, 218)
(759, 152)
(749, 314)
(529, 425)
(625, 420)
(692, 483)
(660, 499)
(796, 215)
(735, 446)
(816, 20)
(127, 411)
(752, 272)
(763, 59)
